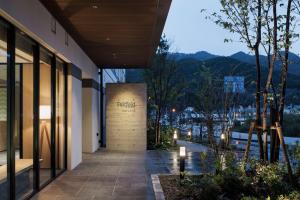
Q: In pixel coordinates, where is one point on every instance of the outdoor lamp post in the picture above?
(182, 154)
(175, 137)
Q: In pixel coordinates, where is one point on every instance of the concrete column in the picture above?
(74, 117)
(90, 113)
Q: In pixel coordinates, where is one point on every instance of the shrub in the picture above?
(211, 189)
(295, 195)
(249, 198)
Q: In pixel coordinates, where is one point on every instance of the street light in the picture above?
(182, 155)
(173, 110)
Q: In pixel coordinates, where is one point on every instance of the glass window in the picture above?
(3, 112)
(45, 116)
(60, 117)
(23, 137)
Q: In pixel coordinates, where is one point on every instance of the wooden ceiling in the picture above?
(114, 33)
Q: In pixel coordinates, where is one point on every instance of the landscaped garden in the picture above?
(234, 180)
(264, 167)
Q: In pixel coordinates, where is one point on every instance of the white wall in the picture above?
(74, 122)
(90, 100)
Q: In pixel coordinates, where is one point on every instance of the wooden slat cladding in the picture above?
(114, 33)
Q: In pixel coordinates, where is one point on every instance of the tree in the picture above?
(264, 24)
(244, 18)
(164, 84)
(207, 100)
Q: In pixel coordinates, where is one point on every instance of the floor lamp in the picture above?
(45, 114)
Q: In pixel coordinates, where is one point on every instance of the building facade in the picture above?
(52, 87)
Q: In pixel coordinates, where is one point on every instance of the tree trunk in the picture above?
(265, 125)
(285, 154)
(269, 80)
(210, 135)
(257, 101)
(157, 126)
(284, 68)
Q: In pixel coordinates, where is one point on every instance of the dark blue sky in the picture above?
(189, 31)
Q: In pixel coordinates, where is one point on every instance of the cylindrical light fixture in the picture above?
(182, 154)
(175, 137)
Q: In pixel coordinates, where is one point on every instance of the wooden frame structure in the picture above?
(278, 131)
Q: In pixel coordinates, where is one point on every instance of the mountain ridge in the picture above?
(294, 66)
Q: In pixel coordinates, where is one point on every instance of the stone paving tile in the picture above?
(109, 175)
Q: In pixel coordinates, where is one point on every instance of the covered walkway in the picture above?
(119, 175)
(103, 175)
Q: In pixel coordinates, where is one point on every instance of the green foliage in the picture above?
(294, 153)
(150, 138)
(291, 125)
(211, 189)
(166, 139)
(186, 180)
(164, 85)
(249, 198)
(294, 195)
(203, 161)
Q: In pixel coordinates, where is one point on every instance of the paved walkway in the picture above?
(103, 175)
(117, 175)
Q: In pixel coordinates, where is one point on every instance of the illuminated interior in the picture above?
(24, 121)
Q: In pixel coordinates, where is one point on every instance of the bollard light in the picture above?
(222, 140)
(182, 154)
(190, 135)
(175, 137)
(222, 136)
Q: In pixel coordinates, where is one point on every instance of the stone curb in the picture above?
(158, 191)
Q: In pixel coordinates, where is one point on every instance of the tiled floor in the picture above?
(117, 175)
(103, 175)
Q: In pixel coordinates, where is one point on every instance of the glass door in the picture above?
(60, 117)
(45, 116)
(23, 138)
(3, 112)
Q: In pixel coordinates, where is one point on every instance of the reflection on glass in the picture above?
(3, 112)
(23, 137)
(45, 116)
(60, 114)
